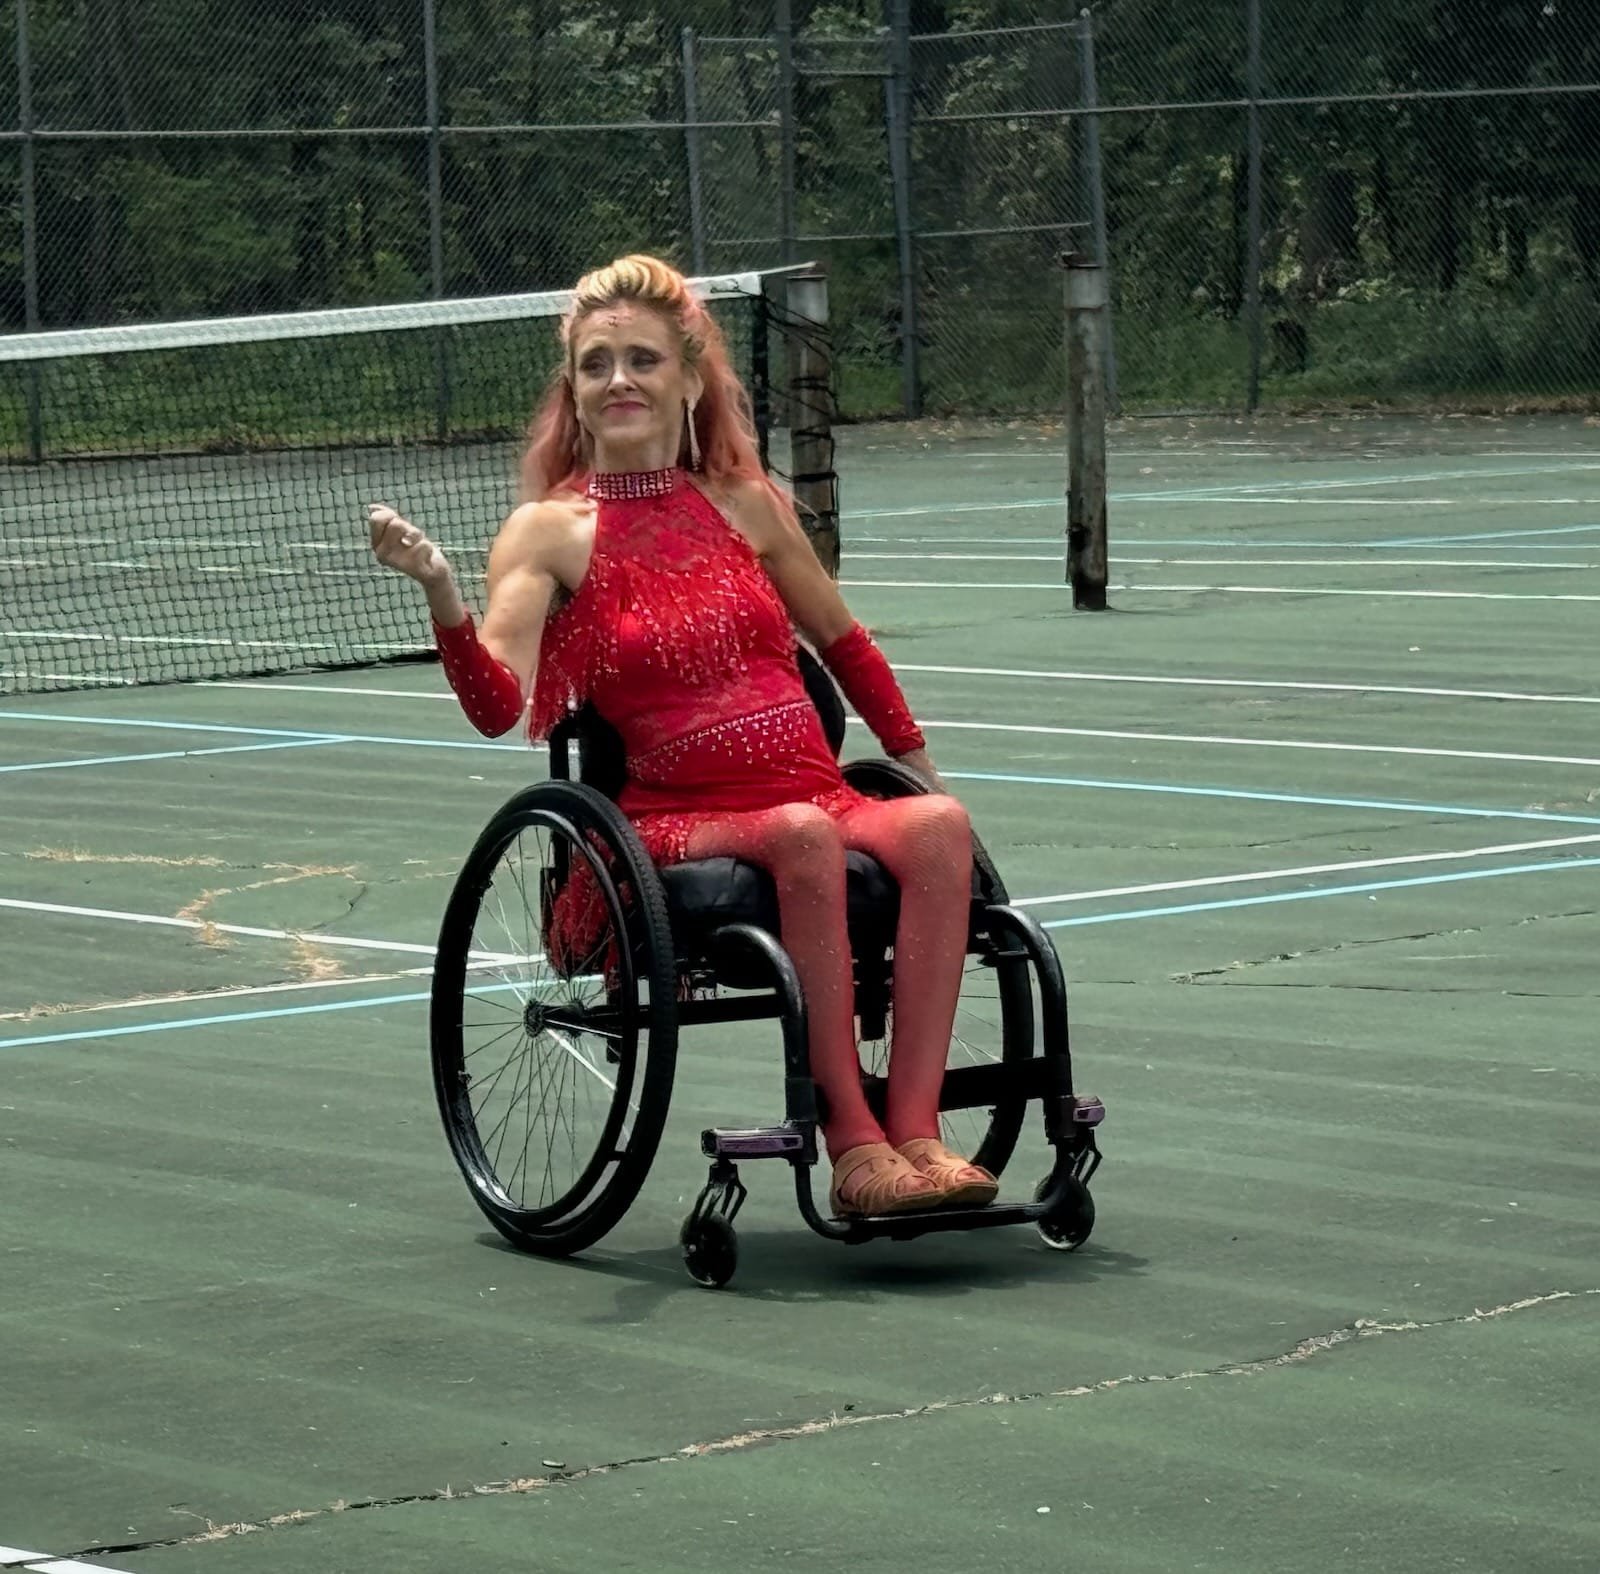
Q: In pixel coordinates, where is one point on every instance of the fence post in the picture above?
(788, 244)
(1088, 306)
(691, 149)
(1253, 155)
(815, 482)
(897, 103)
(1094, 176)
(30, 230)
(431, 109)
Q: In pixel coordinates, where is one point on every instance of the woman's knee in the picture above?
(949, 820)
(801, 837)
(937, 823)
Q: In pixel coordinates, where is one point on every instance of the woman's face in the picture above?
(630, 383)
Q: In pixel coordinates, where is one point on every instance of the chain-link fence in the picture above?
(1328, 202)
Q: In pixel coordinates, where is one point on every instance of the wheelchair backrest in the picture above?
(603, 766)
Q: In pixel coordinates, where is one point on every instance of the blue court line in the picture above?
(1311, 800)
(1321, 891)
(231, 1018)
(1486, 535)
(174, 754)
(1242, 543)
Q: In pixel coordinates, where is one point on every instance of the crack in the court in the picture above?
(521, 1486)
(1245, 964)
(210, 935)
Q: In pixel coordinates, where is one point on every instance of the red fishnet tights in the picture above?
(926, 844)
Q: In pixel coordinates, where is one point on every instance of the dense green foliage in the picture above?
(1413, 247)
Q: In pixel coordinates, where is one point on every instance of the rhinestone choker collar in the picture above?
(618, 485)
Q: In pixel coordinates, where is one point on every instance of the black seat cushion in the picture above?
(707, 893)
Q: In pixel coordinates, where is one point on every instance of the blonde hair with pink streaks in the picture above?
(559, 451)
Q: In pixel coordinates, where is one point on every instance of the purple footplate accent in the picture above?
(759, 1144)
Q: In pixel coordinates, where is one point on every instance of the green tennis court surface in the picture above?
(1314, 817)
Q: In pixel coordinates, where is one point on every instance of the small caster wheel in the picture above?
(710, 1249)
(1068, 1225)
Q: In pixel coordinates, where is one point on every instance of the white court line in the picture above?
(88, 636)
(172, 754)
(1070, 676)
(1008, 672)
(1227, 494)
(315, 937)
(80, 678)
(988, 727)
(1026, 728)
(1232, 562)
(1232, 590)
(335, 688)
(1032, 728)
(1207, 881)
(1200, 883)
(43, 1563)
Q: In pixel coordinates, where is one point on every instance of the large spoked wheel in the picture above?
(994, 1013)
(554, 1027)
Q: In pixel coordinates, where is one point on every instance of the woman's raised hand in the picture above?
(400, 545)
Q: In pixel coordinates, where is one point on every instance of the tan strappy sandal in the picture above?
(958, 1179)
(873, 1178)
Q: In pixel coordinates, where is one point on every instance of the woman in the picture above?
(655, 570)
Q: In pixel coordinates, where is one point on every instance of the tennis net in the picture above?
(188, 500)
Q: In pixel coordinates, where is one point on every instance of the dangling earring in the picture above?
(694, 438)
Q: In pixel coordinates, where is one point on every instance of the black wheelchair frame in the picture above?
(692, 944)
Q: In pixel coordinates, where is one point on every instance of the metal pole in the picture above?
(815, 482)
(897, 103)
(1094, 175)
(30, 230)
(431, 109)
(1088, 304)
(1252, 252)
(784, 38)
(691, 147)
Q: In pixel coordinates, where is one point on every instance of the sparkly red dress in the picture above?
(681, 642)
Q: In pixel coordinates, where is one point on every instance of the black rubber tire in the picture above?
(989, 1145)
(1070, 1224)
(633, 1018)
(710, 1250)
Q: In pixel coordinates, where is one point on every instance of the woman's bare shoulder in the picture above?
(750, 505)
(552, 536)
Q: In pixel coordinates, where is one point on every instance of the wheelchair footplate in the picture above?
(1061, 1210)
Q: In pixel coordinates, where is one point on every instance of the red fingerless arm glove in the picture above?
(487, 688)
(868, 683)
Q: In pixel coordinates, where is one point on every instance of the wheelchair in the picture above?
(567, 964)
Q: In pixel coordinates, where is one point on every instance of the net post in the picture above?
(788, 154)
(1252, 254)
(897, 105)
(810, 401)
(691, 148)
(761, 369)
(1094, 175)
(435, 135)
(30, 231)
(1087, 308)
